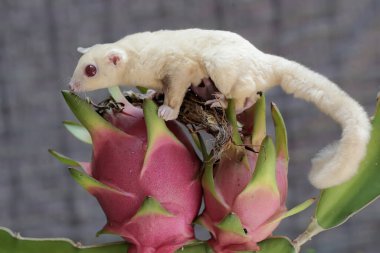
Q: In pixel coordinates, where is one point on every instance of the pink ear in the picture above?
(114, 58)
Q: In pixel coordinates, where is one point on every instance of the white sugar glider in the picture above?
(171, 61)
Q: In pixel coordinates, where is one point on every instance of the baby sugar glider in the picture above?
(171, 61)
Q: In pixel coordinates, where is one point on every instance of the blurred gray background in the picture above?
(38, 40)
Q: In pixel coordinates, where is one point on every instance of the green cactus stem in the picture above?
(13, 242)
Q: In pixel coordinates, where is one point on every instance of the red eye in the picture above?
(90, 70)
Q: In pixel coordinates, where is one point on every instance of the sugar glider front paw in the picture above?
(167, 113)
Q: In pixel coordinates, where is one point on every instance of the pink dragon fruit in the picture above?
(144, 175)
(245, 192)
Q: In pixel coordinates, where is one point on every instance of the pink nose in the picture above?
(74, 85)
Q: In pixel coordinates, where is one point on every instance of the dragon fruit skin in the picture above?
(245, 192)
(144, 177)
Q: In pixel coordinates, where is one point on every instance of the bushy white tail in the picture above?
(339, 161)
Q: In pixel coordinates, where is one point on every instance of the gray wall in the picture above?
(38, 39)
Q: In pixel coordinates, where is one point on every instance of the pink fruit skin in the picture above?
(257, 210)
(168, 174)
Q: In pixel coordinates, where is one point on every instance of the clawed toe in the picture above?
(167, 113)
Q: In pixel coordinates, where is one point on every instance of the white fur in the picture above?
(339, 161)
(173, 60)
(82, 50)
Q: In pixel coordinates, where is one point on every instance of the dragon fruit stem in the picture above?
(312, 230)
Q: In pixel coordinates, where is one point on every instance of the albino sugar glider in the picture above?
(171, 61)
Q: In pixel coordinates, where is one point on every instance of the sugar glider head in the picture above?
(100, 66)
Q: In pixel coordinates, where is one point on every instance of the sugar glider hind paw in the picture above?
(167, 113)
(219, 101)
